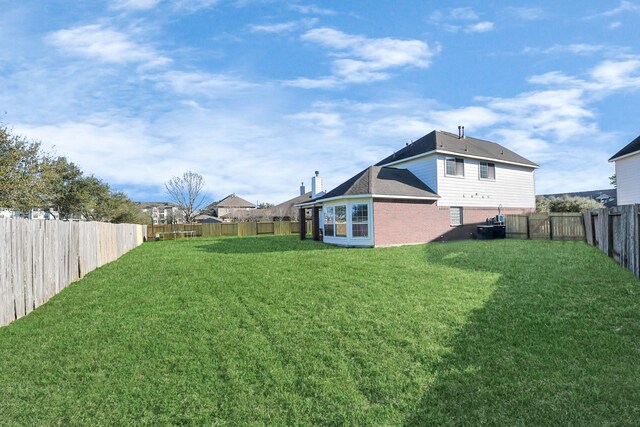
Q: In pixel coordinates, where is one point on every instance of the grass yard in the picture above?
(275, 331)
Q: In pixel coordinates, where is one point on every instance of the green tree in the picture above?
(22, 167)
(613, 180)
(566, 204)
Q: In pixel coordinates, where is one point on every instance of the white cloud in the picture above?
(624, 7)
(134, 4)
(480, 27)
(575, 48)
(616, 24)
(455, 14)
(194, 5)
(304, 83)
(362, 60)
(526, 13)
(201, 83)
(283, 27)
(105, 44)
(312, 10)
(325, 120)
(453, 20)
(274, 28)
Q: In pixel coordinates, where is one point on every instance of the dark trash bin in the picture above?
(485, 232)
(499, 231)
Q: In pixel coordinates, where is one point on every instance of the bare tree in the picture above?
(187, 192)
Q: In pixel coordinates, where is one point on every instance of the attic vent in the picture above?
(466, 148)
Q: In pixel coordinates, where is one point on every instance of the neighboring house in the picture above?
(206, 219)
(163, 212)
(288, 210)
(35, 213)
(627, 163)
(439, 187)
(606, 197)
(229, 207)
(8, 213)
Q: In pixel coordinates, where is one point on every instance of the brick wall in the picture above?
(406, 222)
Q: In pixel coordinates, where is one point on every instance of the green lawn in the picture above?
(275, 331)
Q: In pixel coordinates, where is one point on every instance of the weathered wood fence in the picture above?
(615, 232)
(553, 226)
(40, 258)
(228, 229)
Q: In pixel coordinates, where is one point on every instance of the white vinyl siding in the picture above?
(628, 179)
(513, 186)
(425, 168)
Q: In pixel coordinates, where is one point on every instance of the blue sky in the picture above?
(257, 95)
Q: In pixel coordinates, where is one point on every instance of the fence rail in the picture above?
(228, 229)
(40, 258)
(550, 226)
(616, 232)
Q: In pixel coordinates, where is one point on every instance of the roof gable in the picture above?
(630, 148)
(445, 142)
(383, 181)
(232, 201)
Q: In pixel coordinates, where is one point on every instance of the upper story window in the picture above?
(454, 166)
(488, 171)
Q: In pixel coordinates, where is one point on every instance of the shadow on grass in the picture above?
(556, 344)
(261, 244)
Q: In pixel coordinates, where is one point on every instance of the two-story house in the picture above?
(163, 212)
(627, 163)
(439, 187)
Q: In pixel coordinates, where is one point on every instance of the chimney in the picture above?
(316, 185)
(460, 132)
(302, 189)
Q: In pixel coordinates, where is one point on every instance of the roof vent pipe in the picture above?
(460, 132)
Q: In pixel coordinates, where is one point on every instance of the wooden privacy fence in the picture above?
(615, 232)
(554, 226)
(40, 258)
(227, 229)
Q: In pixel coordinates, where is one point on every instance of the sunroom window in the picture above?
(341, 221)
(329, 219)
(360, 220)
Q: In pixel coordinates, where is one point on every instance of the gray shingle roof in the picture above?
(632, 147)
(377, 180)
(440, 141)
(231, 201)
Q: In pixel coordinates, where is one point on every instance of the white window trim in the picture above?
(456, 175)
(480, 168)
(350, 221)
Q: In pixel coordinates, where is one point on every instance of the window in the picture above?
(487, 171)
(341, 221)
(454, 166)
(360, 220)
(329, 219)
(455, 216)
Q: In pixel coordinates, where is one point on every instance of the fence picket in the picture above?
(40, 258)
